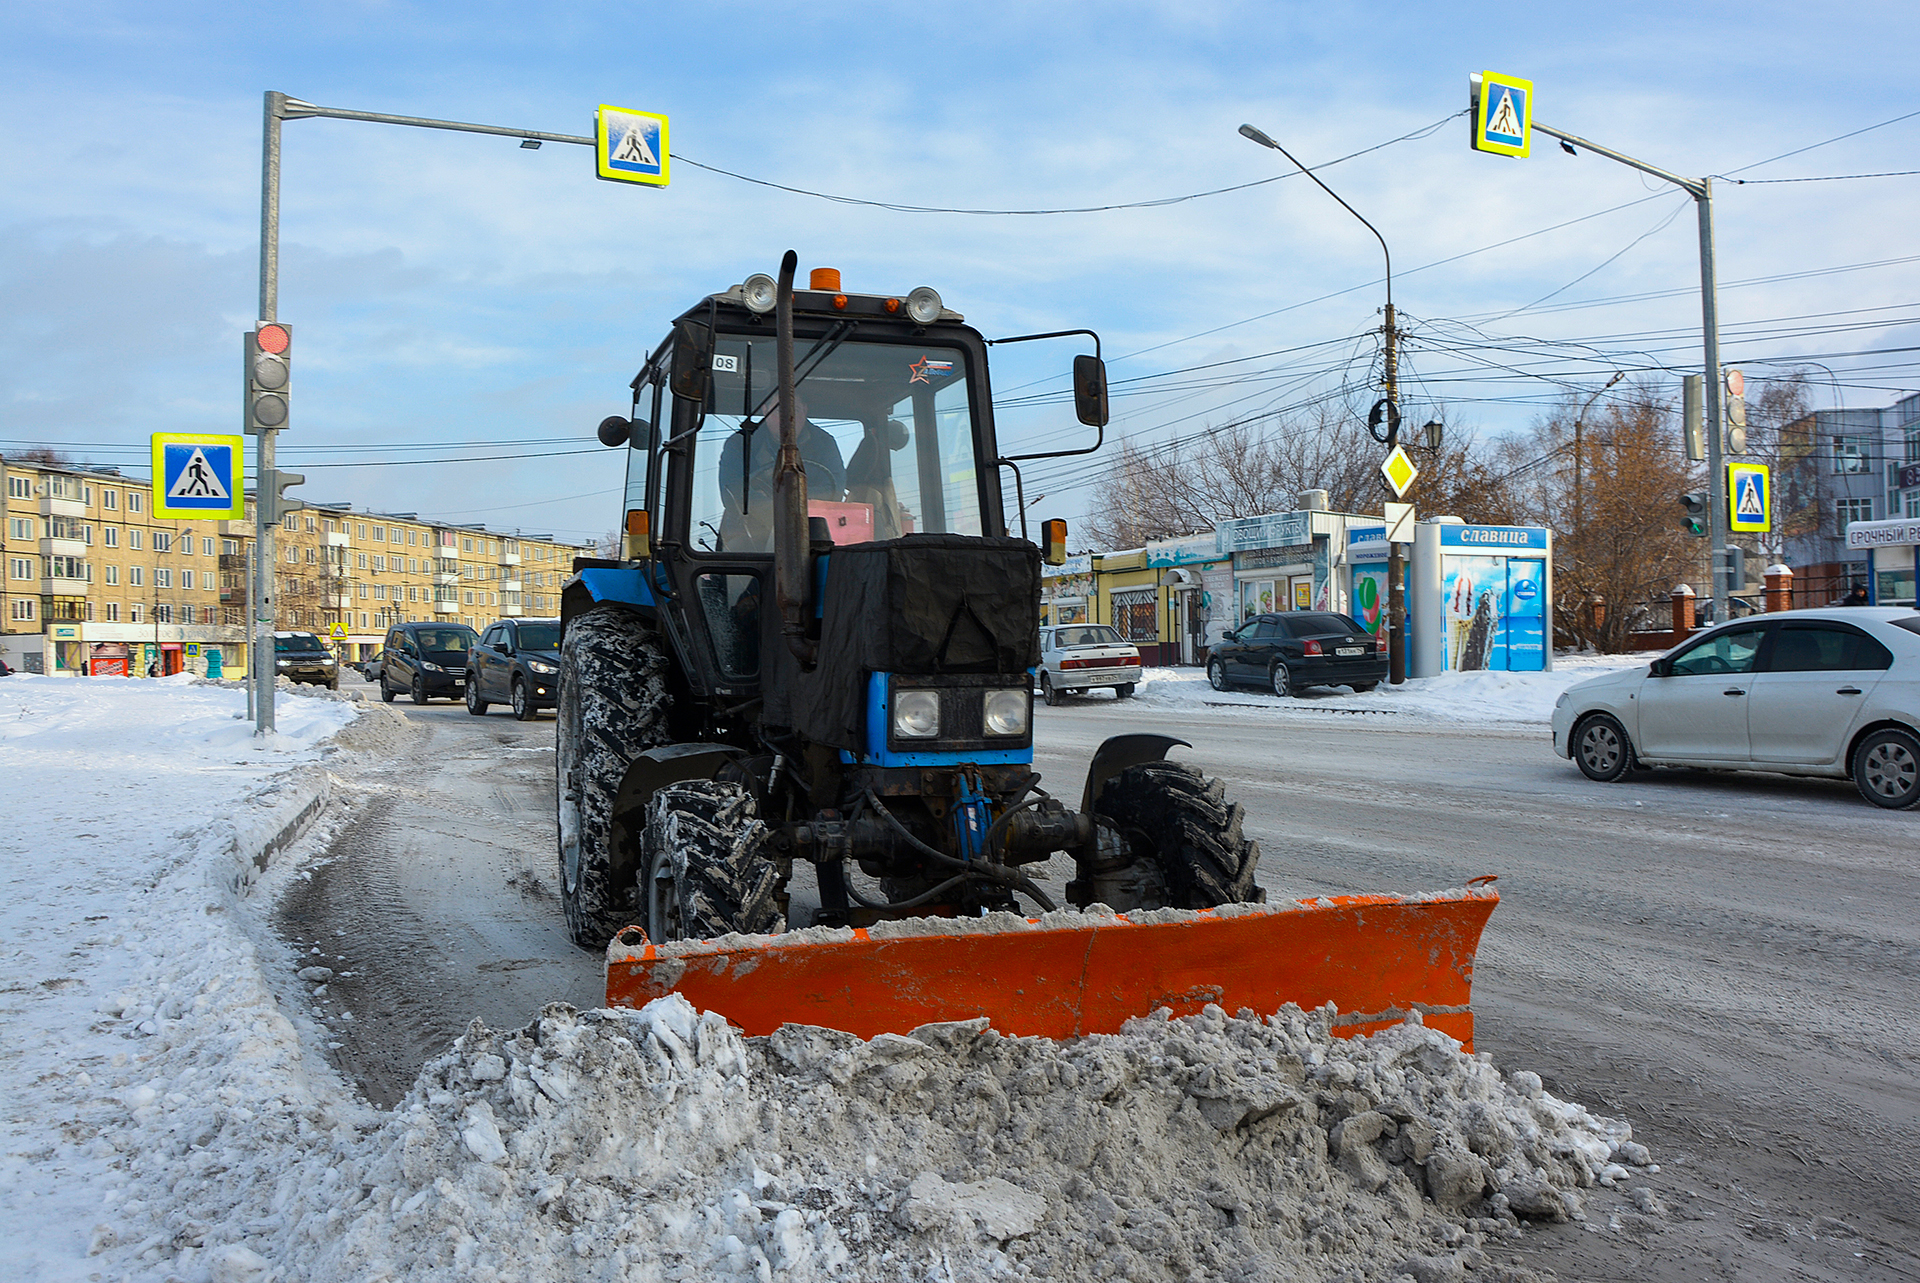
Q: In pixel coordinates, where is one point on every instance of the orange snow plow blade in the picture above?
(1375, 957)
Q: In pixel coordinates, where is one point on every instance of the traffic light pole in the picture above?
(267, 503)
(265, 493)
(1701, 189)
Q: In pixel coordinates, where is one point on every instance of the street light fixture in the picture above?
(1396, 565)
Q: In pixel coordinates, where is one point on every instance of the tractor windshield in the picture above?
(886, 431)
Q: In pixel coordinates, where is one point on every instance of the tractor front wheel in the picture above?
(709, 867)
(613, 707)
(1185, 837)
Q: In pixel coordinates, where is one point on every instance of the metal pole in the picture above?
(252, 648)
(1716, 479)
(1396, 559)
(263, 541)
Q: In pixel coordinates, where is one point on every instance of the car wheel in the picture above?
(1282, 681)
(1886, 769)
(387, 692)
(1123, 691)
(1601, 749)
(419, 689)
(1361, 688)
(522, 704)
(1216, 674)
(334, 685)
(475, 705)
(1047, 691)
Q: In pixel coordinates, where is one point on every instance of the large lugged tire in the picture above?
(709, 868)
(1180, 821)
(613, 707)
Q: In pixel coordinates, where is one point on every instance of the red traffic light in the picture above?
(272, 338)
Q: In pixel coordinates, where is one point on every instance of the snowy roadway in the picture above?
(1728, 962)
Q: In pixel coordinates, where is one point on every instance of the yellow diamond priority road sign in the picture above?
(1399, 471)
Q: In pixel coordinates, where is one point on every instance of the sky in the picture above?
(465, 310)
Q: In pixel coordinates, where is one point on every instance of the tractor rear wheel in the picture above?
(710, 869)
(613, 707)
(1178, 820)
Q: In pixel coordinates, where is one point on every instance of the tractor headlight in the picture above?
(923, 305)
(916, 714)
(1006, 712)
(760, 292)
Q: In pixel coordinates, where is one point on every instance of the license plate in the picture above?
(1345, 651)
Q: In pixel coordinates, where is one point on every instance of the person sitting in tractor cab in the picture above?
(746, 522)
(870, 478)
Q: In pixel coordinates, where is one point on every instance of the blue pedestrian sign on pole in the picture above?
(1749, 498)
(1503, 114)
(631, 146)
(197, 474)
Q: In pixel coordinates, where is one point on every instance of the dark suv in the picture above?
(425, 660)
(517, 662)
(1297, 649)
(302, 657)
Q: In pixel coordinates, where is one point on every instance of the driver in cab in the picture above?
(746, 489)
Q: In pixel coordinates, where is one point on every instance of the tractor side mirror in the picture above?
(692, 361)
(1089, 391)
(614, 430)
(1053, 542)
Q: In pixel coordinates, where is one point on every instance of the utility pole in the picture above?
(1579, 491)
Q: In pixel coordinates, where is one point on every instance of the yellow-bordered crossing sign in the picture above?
(631, 146)
(1503, 118)
(199, 474)
(1749, 498)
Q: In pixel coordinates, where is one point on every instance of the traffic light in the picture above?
(1730, 564)
(1736, 412)
(1695, 520)
(268, 350)
(272, 498)
(1693, 415)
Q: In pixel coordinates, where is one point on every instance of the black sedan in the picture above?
(1287, 652)
(303, 657)
(517, 663)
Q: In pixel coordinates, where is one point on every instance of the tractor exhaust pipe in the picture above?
(790, 541)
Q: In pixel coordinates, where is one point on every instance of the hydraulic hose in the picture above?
(991, 872)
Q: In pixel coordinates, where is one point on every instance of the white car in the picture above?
(1832, 692)
(1074, 658)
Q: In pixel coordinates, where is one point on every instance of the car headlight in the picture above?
(432, 668)
(539, 667)
(326, 659)
(282, 662)
(916, 714)
(1006, 712)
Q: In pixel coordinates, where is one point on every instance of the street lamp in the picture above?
(1579, 420)
(1396, 601)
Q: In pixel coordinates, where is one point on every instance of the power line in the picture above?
(1159, 203)
(1827, 178)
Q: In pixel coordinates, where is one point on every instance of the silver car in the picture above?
(1832, 692)
(1075, 658)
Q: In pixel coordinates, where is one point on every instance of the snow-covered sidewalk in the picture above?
(1466, 698)
(167, 1120)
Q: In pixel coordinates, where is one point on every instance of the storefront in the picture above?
(1289, 560)
(1893, 558)
(1066, 591)
(1195, 595)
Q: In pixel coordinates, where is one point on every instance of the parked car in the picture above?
(517, 663)
(370, 668)
(425, 660)
(1075, 658)
(1833, 692)
(303, 657)
(1288, 652)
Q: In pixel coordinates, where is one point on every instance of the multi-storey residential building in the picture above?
(90, 577)
(371, 570)
(1838, 466)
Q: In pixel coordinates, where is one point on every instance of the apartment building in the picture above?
(372, 570)
(92, 578)
(89, 577)
(1841, 466)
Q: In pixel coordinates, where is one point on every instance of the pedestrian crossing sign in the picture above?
(631, 146)
(198, 474)
(1503, 115)
(1749, 500)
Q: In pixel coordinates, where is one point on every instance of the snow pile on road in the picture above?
(660, 1144)
(1478, 697)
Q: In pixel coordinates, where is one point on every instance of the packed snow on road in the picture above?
(173, 1114)
(1485, 697)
